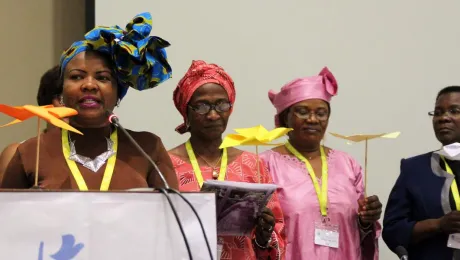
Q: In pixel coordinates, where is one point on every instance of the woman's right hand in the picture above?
(450, 223)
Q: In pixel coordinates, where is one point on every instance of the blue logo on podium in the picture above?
(69, 249)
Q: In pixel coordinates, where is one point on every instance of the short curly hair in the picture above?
(50, 86)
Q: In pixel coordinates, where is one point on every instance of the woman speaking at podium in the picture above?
(204, 97)
(96, 74)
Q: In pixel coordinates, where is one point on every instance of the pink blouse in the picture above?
(300, 206)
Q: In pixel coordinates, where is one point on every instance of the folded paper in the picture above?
(49, 113)
(364, 137)
(257, 135)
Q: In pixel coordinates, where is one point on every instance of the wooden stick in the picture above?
(365, 171)
(38, 152)
(257, 158)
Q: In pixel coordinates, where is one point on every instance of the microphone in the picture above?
(401, 252)
(113, 119)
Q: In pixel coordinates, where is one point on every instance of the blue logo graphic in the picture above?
(69, 249)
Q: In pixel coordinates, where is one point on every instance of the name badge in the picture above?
(454, 241)
(326, 234)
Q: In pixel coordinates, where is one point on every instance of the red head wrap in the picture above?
(197, 75)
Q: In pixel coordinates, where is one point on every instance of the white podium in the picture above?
(47, 225)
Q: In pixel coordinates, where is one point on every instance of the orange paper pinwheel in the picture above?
(48, 113)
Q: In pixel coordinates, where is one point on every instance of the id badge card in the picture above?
(454, 241)
(326, 233)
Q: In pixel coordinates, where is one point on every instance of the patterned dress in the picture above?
(242, 169)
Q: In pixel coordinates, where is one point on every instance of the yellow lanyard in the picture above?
(322, 194)
(196, 166)
(453, 186)
(109, 168)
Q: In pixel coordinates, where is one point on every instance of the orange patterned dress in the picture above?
(242, 169)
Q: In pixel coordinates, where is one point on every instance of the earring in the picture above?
(187, 125)
(61, 100)
(118, 103)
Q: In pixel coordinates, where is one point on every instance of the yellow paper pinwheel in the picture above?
(257, 135)
(48, 113)
(366, 137)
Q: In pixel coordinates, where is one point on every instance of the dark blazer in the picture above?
(422, 191)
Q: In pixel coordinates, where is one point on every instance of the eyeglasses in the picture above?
(320, 115)
(453, 112)
(204, 108)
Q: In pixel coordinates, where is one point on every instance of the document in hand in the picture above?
(238, 205)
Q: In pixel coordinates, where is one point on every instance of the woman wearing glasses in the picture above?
(423, 207)
(204, 97)
(320, 189)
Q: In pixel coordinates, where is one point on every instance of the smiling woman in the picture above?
(96, 74)
(423, 206)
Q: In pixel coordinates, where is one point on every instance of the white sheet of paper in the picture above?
(103, 225)
(454, 241)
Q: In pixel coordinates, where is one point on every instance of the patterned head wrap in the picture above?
(324, 87)
(139, 60)
(197, 75)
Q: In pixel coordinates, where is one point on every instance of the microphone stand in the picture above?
(113, 119)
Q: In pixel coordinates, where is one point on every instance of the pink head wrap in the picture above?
(323, 86)
(197, 75)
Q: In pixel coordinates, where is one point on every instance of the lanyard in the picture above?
(322, 194)
(76, 172)
(453, 186)
(196, 166)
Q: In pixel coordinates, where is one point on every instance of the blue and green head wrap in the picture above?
(139, 60)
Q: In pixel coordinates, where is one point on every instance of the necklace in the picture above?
(92, 164)
(196, 166)
(215, 174)
(109, 169)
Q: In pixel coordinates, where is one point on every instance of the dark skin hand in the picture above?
(264, 226)
(450, 223)
(370, 210)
